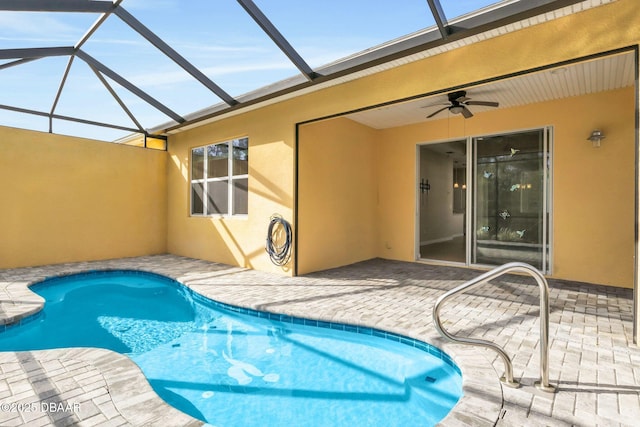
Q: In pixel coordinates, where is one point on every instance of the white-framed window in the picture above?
(219, 178)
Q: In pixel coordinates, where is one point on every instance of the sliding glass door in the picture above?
(486, 200)
(511, 200)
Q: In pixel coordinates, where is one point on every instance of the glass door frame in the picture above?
(470, 225)
(422, 186)
(547, 196)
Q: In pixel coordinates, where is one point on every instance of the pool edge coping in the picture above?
(481, 403)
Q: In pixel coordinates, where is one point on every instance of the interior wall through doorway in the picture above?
(442, 203)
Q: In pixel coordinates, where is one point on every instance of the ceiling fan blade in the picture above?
(466, 113)
(462, 99)
(436, 112)
(485, 103)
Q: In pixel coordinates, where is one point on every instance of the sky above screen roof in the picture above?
(218, 37)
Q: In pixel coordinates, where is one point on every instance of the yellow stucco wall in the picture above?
(67, 199)
(338, 194)
(70, 199)
(272, 132)
(593, 217)
(593, 190)
(235, 241)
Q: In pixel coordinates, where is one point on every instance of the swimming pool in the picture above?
(231, 366)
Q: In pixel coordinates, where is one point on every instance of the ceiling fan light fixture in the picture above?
(459, 103)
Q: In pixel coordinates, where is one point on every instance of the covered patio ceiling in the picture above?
(610, 71)
(93, 68)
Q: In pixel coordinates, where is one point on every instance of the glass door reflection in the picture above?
(510, 199)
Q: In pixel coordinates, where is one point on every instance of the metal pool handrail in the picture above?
(519, 267)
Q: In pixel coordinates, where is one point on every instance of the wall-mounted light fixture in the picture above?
(595, 137)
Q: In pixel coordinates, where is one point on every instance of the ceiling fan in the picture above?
(458, 103)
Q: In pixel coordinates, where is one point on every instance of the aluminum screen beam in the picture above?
(96, 25)
(35, 52)
(457, 29)
(60, 87)
(420, 42)
(173, 55)
(445, 32)
(56, 6)
(128, 85)
(275, 35)
(117, 98)
(440, 17)
(67, 118)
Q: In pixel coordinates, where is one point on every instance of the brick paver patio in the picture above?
(592, 358)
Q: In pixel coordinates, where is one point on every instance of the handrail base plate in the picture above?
(511, 384)
(549, 388)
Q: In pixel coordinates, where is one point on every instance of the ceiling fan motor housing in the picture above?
(458, 104)
(457, 97)
(457, 101)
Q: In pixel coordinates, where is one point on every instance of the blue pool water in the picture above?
(236, 367)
